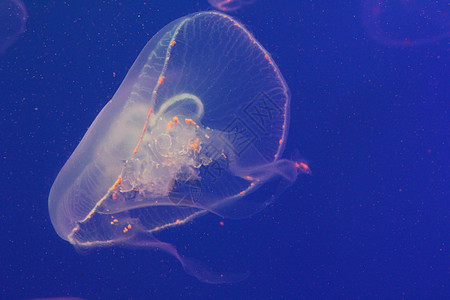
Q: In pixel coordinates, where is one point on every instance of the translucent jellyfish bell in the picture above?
(198, 125)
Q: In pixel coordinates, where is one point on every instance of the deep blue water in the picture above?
(368, 113)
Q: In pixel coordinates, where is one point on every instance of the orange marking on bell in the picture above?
(177, 221)
(116, 184)
(221, 223)
(189, 122)
(223, 154)
(173, 43)
(143, 130)
(115, 220)
(302, 165)
(161, 79)
(176, 120)
(249, 178)
(114, 196)
(195, 144)
(280, 141)
(170, 125)
(129, 226)
(125, 230)
(112, 223)
(266, 56)
(206, 136)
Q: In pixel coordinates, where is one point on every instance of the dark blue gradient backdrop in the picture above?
(369, 114)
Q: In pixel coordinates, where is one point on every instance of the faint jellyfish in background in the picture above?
(406, 23)
(198, 125)
(13, 17)
(230, 5)
(58, 298)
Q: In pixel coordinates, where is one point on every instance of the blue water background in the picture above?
(371, 120)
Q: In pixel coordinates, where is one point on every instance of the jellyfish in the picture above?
(403, 24)
(198, 126)
(229, 5)
(13, 17)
